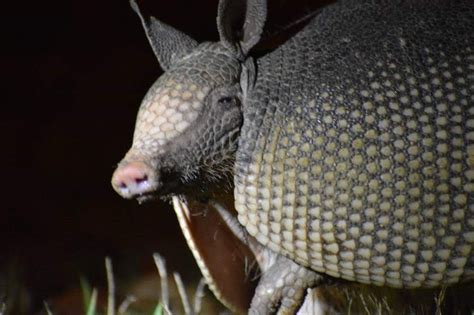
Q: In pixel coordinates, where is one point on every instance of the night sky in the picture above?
(73, 75)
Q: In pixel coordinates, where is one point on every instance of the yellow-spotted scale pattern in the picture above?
(167, 112)
(370, 179)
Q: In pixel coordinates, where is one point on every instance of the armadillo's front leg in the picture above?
(282, 288)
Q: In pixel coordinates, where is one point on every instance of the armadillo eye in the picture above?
(226, 100)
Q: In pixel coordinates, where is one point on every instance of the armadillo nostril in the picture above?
(141, 180)
(133, 179)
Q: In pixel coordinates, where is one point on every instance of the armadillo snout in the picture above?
(134, 179)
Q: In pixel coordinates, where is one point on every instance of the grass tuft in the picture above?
(90, 295)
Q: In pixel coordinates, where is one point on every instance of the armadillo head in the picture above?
(188, 124)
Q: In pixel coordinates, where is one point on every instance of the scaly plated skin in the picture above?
(358, 164)
(351, 146)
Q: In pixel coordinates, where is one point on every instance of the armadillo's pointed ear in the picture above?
(240, 23)
(167, 43)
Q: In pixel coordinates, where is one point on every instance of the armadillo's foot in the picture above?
(282, 288)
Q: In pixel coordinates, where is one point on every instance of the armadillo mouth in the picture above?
(146, 198)
(164, 186)
(164, 193)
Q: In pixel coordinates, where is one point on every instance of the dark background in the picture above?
(73, 74)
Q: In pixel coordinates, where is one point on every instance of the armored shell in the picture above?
(356, 157)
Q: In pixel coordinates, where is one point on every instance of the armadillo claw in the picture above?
(282, 288)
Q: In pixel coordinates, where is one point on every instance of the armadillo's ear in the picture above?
(240, 23)
(167, 43)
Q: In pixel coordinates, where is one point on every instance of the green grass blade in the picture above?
(46, 307)
(158, 310)
(91, 310)
(86, 291)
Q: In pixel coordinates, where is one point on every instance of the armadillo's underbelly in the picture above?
(373, 185)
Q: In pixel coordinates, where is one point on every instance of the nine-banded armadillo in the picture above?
(351, 146)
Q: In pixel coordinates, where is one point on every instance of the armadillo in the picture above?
(350, 147)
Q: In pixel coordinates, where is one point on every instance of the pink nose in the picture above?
(133, 179)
